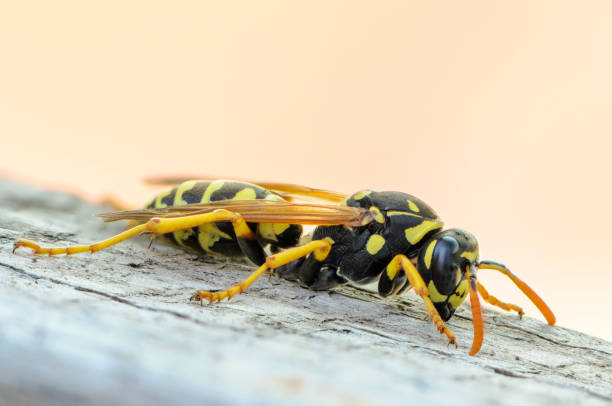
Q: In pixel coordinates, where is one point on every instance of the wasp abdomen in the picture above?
(220, 237)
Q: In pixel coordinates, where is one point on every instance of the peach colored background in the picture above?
(498, 115)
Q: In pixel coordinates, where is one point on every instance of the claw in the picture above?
(22, 242)
(200, 296)
(152, 239)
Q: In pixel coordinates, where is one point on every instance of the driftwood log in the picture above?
(117, 328)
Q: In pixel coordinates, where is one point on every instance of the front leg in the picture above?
(401, 262)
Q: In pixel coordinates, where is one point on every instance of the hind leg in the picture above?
(157, 226)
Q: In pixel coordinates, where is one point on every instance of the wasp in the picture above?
(390, 238)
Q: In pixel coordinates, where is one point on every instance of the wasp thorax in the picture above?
(442, 263)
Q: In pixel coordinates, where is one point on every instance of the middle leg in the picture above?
(319, 248)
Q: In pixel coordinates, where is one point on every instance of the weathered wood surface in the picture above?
(117, 328)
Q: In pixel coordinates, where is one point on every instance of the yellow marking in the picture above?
(274, 197)
(362, 194)
(246, 194)
(470, 255)
(377, 214)
(212, 188)
(183, 187)
(158, 200)
(183, 235)
(270, 231)
(435, 296)
(266, 230)
(429, 253)
(209, 234)
(413, 206)
(402, 213)
(279, 228)
(375, 244)
(455, 300)
(416, 233)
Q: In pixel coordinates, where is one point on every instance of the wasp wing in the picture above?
(285, 190)
(257, 211)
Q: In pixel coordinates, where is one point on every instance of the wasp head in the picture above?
(444, 263)
(448, 263)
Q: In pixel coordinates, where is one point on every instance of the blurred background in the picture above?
(497, 115)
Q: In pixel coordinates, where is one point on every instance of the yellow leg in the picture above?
(416, 281)
(496, 302)
(155, 226)
(537, 300)
(319, 248)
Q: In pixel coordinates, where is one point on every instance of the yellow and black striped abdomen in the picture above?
(214, 238)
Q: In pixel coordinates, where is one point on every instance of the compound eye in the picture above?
(452, 243)
(443, 266)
